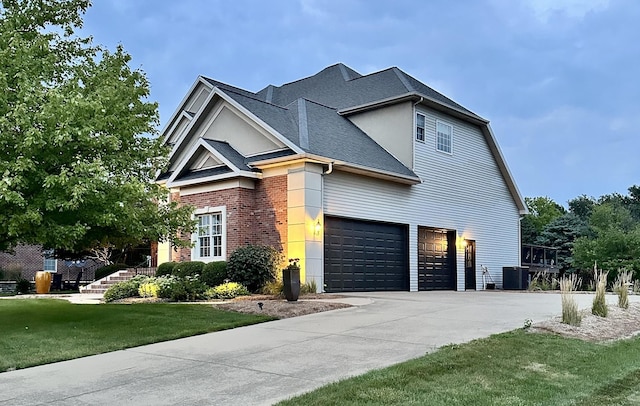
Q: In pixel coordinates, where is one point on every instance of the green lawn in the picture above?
(516, 368)
(40, 331)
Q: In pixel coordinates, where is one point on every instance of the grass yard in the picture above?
(516, 368)
(40, 331)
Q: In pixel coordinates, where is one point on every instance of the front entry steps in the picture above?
(101, 286)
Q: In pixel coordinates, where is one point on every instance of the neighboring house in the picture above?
(375, 182)
(29, 259)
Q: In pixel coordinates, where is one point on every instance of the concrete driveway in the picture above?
(261, 364)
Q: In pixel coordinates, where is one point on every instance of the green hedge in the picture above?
(183, 269)
(165, 268)
(214, 273)
(253, 266)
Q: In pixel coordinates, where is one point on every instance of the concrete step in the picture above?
(105, 283)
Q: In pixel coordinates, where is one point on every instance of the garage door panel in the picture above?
(436, 259)
(373, 256)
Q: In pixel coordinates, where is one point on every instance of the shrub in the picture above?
(22, 286)
(543, 280)
(253, 265)
(179, 289)
(621, 287)
(165, 268)
(599, 307)
(570, 314)
(149, 288)
(10, 274)
(227, 290)
(183, 269)
(108, 270)
(214, 273)
(125, 289)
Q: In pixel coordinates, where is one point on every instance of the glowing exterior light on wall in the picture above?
(318, 228)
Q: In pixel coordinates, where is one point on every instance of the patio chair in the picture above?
(76, 285)
(56, 281)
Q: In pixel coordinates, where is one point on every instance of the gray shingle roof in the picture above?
(306, 113)
(236, 158)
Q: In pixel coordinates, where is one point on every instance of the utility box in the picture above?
(515, 278)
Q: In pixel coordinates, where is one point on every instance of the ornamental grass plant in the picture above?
(621, 288)
(599, 307)
(570, 313)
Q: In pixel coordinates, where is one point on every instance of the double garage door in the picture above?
(364, 256)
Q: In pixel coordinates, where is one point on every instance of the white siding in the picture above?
(463, 191)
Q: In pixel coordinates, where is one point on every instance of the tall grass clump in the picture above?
(599, 307)
(621, 287)
(568, 285)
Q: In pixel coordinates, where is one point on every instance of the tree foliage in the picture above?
(77, 149)
(561, 233)
(542, 211)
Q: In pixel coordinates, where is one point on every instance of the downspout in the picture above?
(328, 172)
(418, 102)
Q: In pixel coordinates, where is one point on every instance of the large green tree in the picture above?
(542, 211)
(78, 145)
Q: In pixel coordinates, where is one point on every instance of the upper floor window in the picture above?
(444, 137)
(209, 238)
(420, 125)
(50, 262)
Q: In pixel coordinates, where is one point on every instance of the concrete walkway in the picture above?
(261, 364)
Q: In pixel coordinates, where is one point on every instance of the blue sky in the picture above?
(558, 79)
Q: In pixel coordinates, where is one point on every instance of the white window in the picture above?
(50, 262)
(209, 238)
(420, 125)
(444, 137)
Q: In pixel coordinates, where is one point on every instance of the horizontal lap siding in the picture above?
(464, 191)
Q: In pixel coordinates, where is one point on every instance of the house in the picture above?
(375, 182)
(27, 259)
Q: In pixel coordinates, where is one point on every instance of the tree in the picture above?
(78, 152)
(582, 206)
(561, 233)
(542, 211)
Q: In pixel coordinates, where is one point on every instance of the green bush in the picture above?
(274, 287)
(125, 289)
(227, 290)
(149, 288)
(183, 269)
(253, 266)
(165, 268)
(109, 269)
(22, 286)
(180, 289)
(309, 287)
(214, 273)
(10, 275)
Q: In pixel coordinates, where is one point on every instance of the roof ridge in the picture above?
(256, 99)
(400, 74)
(303, 128)
(213, 82)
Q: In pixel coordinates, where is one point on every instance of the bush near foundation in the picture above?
(254, 265)
(214, 273)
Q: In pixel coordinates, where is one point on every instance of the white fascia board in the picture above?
(201, 143)
(194, 119)
(215, 178)
(414, 96)
(504, 169)
(180, 108)
(346, 166)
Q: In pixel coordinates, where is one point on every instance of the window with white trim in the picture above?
(420, 126)
(444, 137)
(50, 262)
(209, 238)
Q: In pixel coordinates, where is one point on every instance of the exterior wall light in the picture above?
(318, 228)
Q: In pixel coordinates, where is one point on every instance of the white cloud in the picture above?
(576, 9)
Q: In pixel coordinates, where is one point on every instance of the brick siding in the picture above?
(254, 216)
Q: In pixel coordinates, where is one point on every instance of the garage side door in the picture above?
(436, 259)
(362, 256)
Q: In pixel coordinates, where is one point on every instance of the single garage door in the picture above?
(361, 256)
(436, 259)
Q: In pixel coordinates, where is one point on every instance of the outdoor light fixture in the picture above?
(318, 227)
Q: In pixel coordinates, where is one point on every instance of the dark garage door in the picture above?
(362, 256)
(436, 259)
